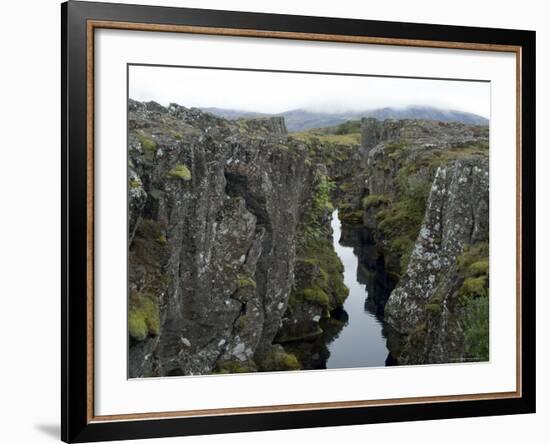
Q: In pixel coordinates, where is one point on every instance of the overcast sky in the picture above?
(268, 92)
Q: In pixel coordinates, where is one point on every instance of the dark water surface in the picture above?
(361, 342)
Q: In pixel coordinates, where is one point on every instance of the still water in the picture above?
(361, 342)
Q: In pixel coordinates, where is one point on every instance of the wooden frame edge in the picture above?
(286, 408)
(236, 32)
(91, 25)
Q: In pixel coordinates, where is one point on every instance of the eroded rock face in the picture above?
(419, 132)
(231, 264)
(220, 202)
(425, 305)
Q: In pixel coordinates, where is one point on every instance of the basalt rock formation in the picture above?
(231, 262)
(426, 206)
(427, 304)
(215, 211)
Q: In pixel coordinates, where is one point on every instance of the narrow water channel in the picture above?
(360, 343)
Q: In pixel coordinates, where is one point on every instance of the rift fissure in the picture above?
(233, 261)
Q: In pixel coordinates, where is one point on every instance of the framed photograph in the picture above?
(275, 221)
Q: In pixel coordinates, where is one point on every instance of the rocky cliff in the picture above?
(231, 262)
(427, 209)
(428, 306)
(215, 207)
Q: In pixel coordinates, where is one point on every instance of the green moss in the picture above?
(479, 268)
(399, 215)
(473, 268)
(290, 362)
(181, 172)
(148, 248)
(434, 309)
(473, 253)
(395, 149)
(400, 223)
(312, 225)
(227, 367)
(134, 183)
(245, 281)
(297, 334)
(242, 323)
(418, 336)
(176, 135)
(277, 359)
(143, 316)
(474, 287)
(459, 152)
(148, 144)
(321, 198)
(346, 187)
(315, 295)
(375, 200)
(433, 158)
(329, 280)
(149, 229)
(348, 213)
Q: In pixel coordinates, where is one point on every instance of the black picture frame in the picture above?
(76, 423)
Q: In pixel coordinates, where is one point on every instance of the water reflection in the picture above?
(355, 335)
(361, 342)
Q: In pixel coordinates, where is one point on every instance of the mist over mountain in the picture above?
(302, 119)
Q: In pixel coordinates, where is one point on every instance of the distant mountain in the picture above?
(301, 119)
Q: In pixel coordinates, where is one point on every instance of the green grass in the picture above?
(473, 269)
(330, 139)
(180, 171)
(476, 328)
(474, 287)
(349, 127)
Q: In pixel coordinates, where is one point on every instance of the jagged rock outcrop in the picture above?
(274, 125)
(425, 210)
(231, 262)
(219, 202)
(419, 132)
(425, 305)
(214, 208)
(399, 173)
